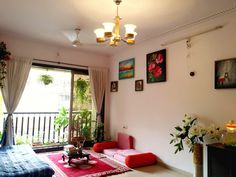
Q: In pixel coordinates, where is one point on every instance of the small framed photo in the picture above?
(225, 73)
(139, 85)
(114, 86)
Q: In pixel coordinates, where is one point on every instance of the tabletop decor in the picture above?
(4, 56)
(192, 134)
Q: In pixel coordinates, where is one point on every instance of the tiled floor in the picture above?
(151, 171)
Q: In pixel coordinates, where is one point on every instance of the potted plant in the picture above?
(46, 79)
(4, 56)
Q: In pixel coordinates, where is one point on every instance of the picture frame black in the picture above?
(114, 86)
(156, 66)
(225, 73)
(139, 85)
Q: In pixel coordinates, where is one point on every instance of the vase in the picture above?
(198, 159)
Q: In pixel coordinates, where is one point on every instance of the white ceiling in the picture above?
(47, 20)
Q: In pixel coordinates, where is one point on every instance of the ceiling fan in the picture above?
(73, 36)
(76, 42)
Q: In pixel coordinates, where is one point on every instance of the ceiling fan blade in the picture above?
(70, 35)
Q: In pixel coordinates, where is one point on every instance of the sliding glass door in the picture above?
(82, 122)
(56, 105)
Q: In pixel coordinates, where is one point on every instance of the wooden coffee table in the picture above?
(74, 156)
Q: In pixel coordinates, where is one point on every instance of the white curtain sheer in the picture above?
(17, 74)
(98, 81)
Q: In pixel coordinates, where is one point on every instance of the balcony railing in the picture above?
(38, 128)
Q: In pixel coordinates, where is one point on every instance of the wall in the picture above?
(34, 49)
(151, 115)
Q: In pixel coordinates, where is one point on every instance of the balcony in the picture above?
(39, 128)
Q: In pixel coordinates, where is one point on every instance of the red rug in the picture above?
(98, 166)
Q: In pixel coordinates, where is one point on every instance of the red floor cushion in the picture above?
(140, 160)
(99, 147)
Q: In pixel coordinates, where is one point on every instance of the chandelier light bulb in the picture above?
(129, 31)
(100, 35)
(108, 29)
(132, 40)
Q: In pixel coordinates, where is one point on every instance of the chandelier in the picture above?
(107, 34)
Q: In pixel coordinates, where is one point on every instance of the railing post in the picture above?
(49, 129)
(44, 126)
(27, 133)
(22, 125)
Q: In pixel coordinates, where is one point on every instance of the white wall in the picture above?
(152, 114)
(37, 50)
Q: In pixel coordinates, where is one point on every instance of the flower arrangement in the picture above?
(192, 133)
(4, 56)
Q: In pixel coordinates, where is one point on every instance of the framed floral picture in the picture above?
(139, 85)
(126, 69)
(114, 86)
(156, 66)
(225, 73)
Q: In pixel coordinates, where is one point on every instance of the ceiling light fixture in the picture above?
(106, 33)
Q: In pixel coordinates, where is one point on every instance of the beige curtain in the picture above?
(98, 82)
(17, 74)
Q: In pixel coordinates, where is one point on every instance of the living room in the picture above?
(195, 34)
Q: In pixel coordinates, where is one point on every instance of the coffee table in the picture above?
(74, 156)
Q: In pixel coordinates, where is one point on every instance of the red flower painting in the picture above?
(156, 66)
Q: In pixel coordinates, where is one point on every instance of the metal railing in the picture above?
(38, 128)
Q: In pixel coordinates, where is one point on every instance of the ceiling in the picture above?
(48, 20)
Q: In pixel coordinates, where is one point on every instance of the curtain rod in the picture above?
(60, 63)
(197, 34)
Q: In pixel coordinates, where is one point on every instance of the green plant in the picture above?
(81, 90)
(99, 133)
(0, 135)
(84, 121)
(46, 79)
(4, 56)
(62, 119)
(21, 140)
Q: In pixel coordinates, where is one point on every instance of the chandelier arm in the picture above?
(123, 40)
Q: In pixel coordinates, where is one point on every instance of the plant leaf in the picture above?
(178, 128)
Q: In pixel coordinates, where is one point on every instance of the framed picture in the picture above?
(156, 66)
(139, 85)
(225, 73)
(114, 86)
(126, 69)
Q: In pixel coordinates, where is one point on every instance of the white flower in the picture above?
(188, 142)
(213, 131)
(194, 131)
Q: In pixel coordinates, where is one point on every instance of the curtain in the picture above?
(17, 74)
(98, 82)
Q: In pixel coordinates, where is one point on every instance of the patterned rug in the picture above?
(99, 165)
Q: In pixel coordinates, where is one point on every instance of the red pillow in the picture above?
(99, 147)
(125, 141)
(139, 160)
